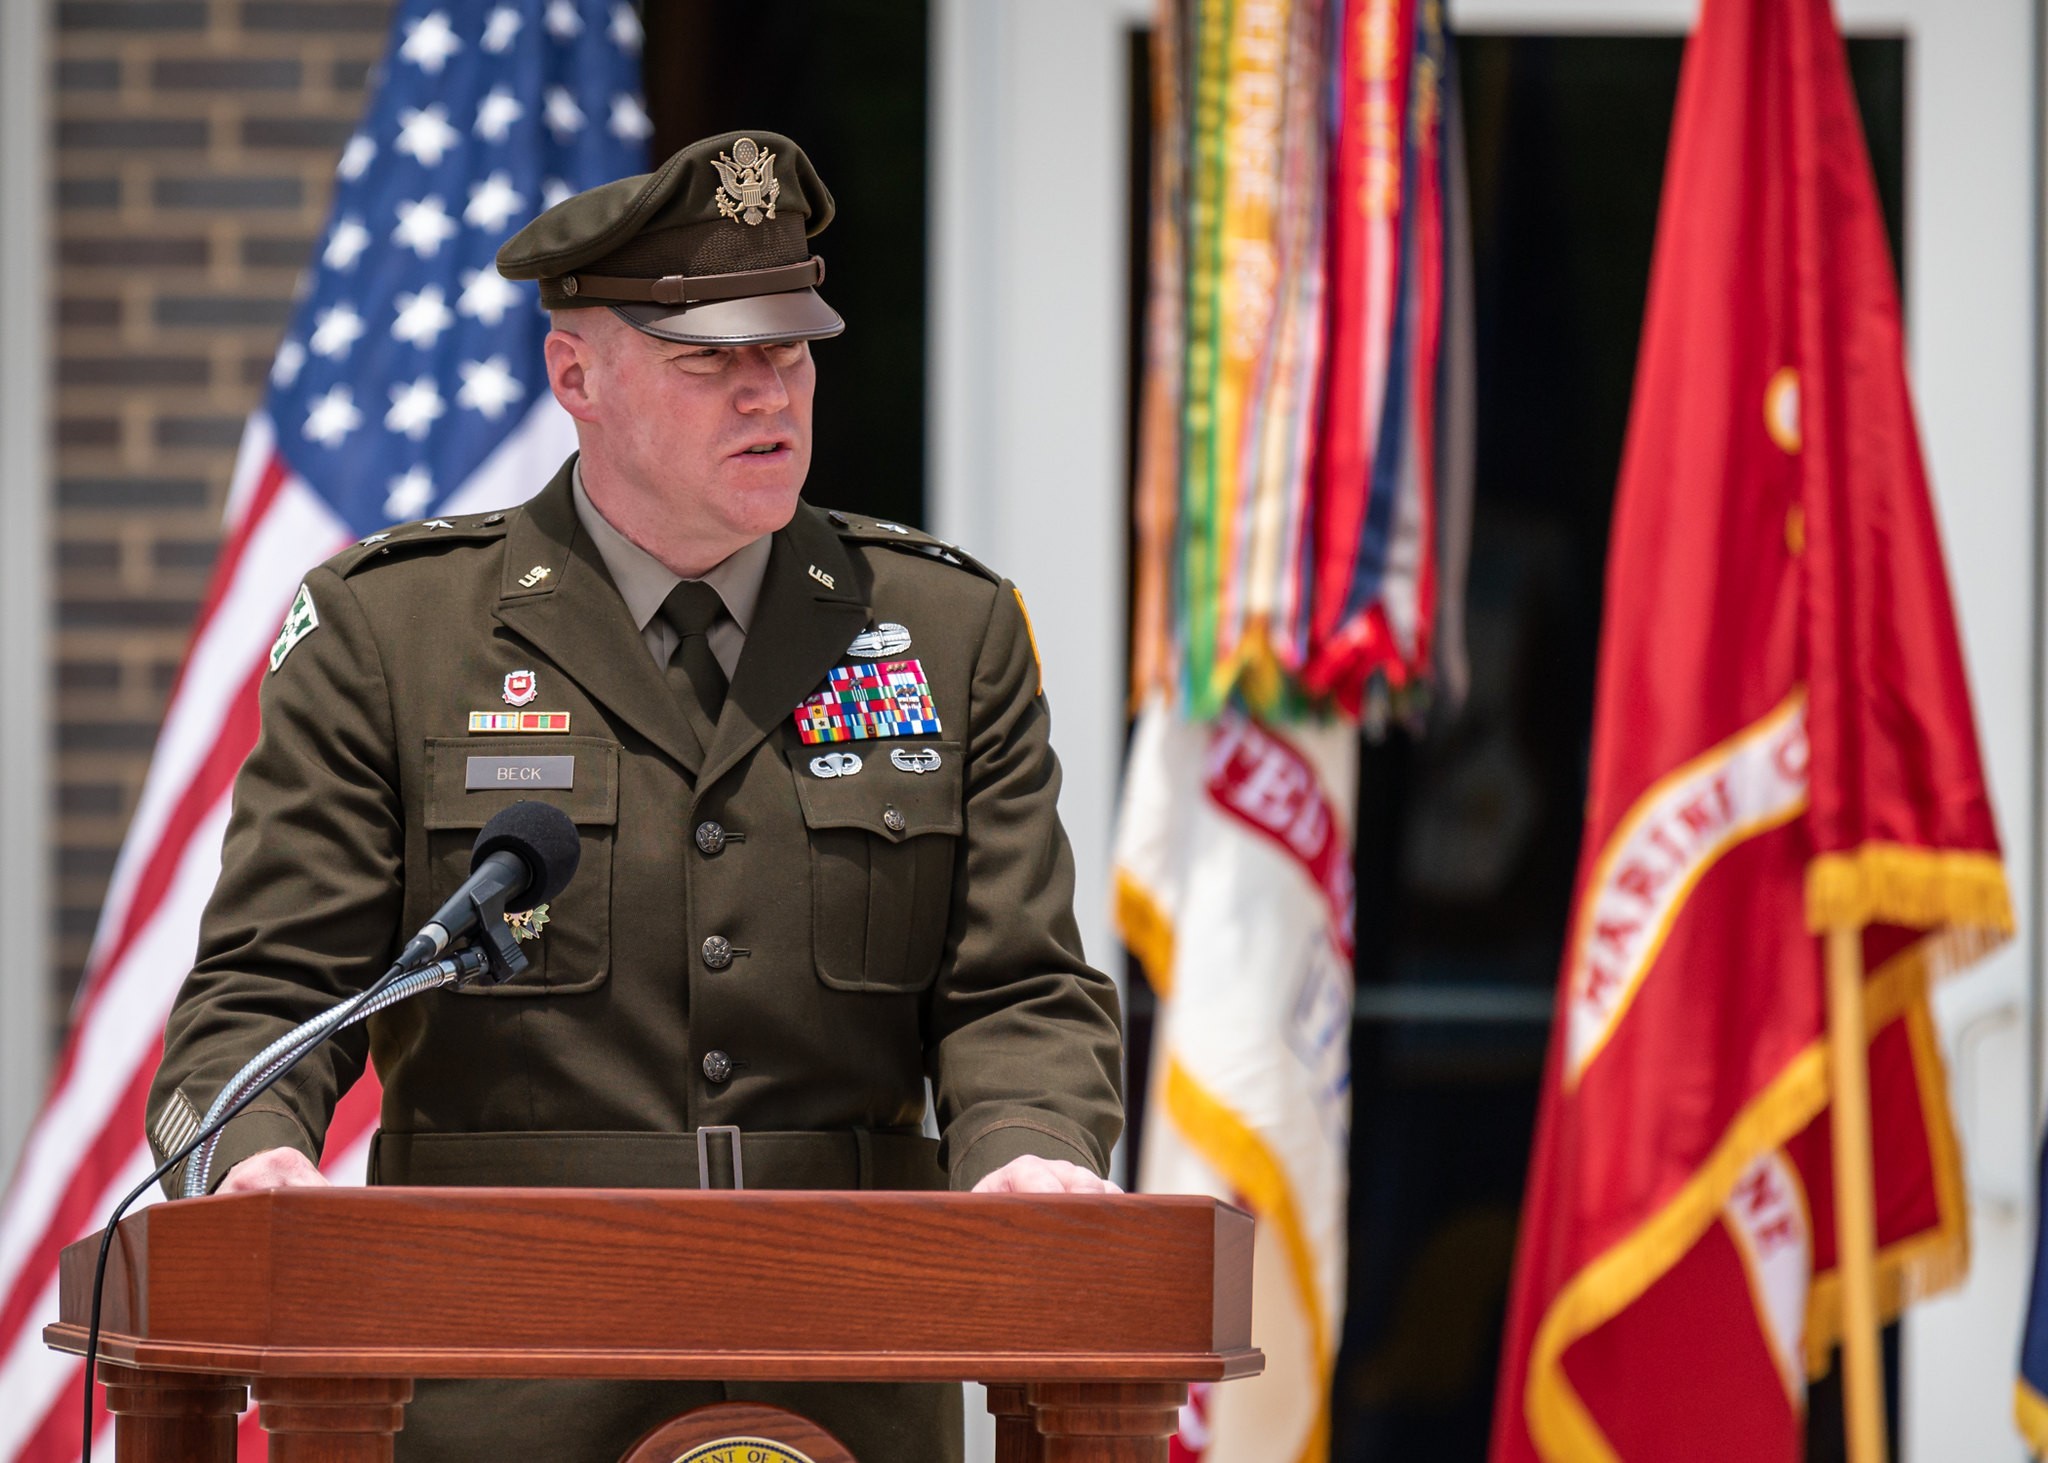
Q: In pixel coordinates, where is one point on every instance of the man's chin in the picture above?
(758, 508)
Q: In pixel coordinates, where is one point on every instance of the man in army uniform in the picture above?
(807, 756)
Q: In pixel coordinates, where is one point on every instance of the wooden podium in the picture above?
(1085, 1315)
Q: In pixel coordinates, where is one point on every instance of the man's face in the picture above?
(719, 437)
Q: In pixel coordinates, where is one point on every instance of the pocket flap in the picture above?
(591, 799)
(892, 796)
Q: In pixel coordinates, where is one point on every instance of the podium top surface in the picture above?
(660, 1283)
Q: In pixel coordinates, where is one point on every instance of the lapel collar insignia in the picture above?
(811, 607)
(574, 616)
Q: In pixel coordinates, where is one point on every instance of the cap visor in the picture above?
(755, 320)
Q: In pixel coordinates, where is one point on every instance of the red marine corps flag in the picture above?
(1783, 747)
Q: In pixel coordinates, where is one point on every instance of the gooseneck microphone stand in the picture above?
(498, 955)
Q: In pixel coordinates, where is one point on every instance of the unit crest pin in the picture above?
(520, 688)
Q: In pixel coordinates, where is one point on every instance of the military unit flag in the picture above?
(408, 384)
(1783, 746)
(1303, 502)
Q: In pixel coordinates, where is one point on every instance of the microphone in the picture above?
(524, 856)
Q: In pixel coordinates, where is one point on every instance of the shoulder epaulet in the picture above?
(402, 540)
(860, 529)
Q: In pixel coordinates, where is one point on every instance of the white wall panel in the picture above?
(25, 550)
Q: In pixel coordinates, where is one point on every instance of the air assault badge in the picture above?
(748, 176)
(302, 621)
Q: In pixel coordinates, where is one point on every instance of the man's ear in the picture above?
(569, 359)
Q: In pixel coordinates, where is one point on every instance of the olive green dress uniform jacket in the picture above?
(885, 927)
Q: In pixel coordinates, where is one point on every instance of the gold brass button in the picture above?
(893, 819)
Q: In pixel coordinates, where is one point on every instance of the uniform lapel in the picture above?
(811, 608)
(574, 616)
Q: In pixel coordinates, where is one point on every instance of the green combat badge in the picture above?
(301, 622)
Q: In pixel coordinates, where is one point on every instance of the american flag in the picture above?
(408, 385)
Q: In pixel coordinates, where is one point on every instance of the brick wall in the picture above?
(193, 152)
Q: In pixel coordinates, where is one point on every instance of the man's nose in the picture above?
(760, 384)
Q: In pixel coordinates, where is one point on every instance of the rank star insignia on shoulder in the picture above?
(299, 622)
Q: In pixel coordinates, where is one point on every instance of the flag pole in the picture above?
(1855, 1219)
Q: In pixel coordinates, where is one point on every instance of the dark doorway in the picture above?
(846, 79)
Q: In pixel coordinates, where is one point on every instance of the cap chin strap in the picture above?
(693, 289)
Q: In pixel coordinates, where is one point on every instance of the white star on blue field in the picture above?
(409, 358)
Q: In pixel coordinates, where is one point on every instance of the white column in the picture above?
(1026, 358)
(25, 309)
(1028, 399)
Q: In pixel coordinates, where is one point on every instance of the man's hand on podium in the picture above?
(1032, 1175)
(273, 1168)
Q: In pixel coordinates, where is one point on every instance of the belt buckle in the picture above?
(727, 1131)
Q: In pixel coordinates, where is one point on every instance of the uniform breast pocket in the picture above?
(882, 844)
(471, 778)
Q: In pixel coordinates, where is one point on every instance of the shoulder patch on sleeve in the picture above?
(302, 620)
(405, 540)
(1031, 635)
(859, 529)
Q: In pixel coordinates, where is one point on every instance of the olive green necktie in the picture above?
(694, 674)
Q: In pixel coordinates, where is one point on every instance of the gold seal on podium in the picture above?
(743, 1450)
(739, 1432)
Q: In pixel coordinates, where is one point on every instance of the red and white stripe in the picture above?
(87, 1148)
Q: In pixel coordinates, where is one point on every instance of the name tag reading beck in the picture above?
(558, 772)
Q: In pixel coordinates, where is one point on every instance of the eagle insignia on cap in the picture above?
(748, 176)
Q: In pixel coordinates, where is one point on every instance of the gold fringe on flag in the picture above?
(1918, 888)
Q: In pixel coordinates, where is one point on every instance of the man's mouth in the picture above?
(762, 449)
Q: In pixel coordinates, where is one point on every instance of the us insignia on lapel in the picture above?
(889, 698)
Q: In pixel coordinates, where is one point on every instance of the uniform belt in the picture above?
(852, 1159)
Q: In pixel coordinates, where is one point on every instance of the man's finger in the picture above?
(1039, 1179)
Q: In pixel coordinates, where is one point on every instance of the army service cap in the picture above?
(711, 248)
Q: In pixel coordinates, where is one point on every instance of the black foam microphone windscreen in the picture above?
(541, 836)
